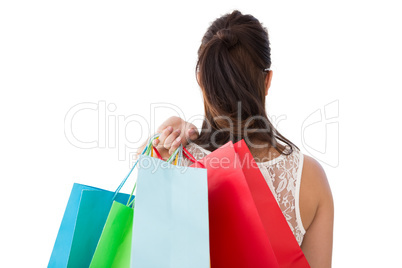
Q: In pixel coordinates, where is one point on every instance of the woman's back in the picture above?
(234, 74)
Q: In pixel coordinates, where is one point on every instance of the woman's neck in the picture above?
(262, 151)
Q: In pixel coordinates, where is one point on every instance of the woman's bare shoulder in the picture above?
(317, 213)
(314, 190)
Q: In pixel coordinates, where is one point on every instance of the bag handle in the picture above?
(146, 151)
(192, 158)
(177, 156)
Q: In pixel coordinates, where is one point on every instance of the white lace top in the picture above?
(282, 175)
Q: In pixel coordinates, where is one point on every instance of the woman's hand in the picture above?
(173, 132)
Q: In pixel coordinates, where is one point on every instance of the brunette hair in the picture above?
(232, 60)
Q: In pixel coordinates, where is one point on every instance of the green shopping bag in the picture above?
(114, 247)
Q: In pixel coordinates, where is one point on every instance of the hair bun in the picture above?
(228, 38)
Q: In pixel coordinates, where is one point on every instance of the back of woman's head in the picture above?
(232, 59)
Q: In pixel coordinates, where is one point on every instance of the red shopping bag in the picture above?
(237, 235)
(287, 251)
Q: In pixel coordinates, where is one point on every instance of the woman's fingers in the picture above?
(165, 133)
(192, 134)
(155, 142)
(175, 144)
(170, 139)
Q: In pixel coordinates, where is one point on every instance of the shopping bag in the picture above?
(84, 220)
(81, 226)
(287, 251)
(170, 228)
(237, 235)
(114, 246)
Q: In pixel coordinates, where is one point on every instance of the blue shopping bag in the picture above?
(171, 227)
(81, 226)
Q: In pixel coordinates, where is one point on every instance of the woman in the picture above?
(234, 76)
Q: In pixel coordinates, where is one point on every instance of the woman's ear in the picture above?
(268, 80)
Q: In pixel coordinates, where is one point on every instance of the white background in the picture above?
(55, 55)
